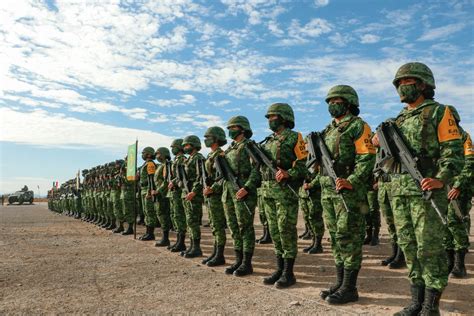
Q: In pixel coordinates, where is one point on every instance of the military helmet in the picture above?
(284, 110)
(119, 162)
(243, 122)
(177, 143)
(84, 172)
(415, 70)
(164, 152)
(193, 140)
(343, 91)
(148, 150)
(217, 133)
(455, 113)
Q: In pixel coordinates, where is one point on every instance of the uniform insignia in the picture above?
(150, 168)
(468, 149)
(300, 148)
(363, 145)
(447, 128)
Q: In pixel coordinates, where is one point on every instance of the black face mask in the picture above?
(275, 124)
(337, 109)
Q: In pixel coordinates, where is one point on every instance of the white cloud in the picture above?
(441, 32)
(369, 39)
(298, 34)
(321, 3)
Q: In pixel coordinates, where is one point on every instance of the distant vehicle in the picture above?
(22, 196)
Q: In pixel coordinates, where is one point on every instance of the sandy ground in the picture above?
(54, 264)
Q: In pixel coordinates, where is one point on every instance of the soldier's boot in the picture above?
(317, 247)
(306, 249)
(417, 298)
(287, 278)
(237, 263)
(431, 303)
(375, 236)
(105, 223)
(348, 291)
(246, 267)
(149, 235)
(165, 241)
(129, 230)
(333, 288)
(185, 251)
(399, 261)
(196, 249)
(305, 233)
(459, 269)
(99, 220)
(218, 259)
(450, 254)
(368, 235)
(173, 245)
(180, 243)
(207, 259)
(112, 225)
(275, 276)
(141, 220)
(77, 215)
(119, 229)
(386, 261)
(266, 238)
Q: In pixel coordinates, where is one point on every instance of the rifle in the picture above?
(183, 178)
(224, 171)
(204, 178)
(257, 155)
(457, 209)
(319, 153)
(395, 150)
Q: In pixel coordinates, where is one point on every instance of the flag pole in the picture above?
(135, 194)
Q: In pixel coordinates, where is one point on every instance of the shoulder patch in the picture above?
(363, 145)
(447, 128)
(468, 149)
(150, 167)
(300, 148)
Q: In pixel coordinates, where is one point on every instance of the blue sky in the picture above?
(80, 80)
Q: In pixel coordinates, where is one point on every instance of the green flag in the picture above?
(132, 161)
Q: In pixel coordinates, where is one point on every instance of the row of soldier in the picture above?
(339, 180)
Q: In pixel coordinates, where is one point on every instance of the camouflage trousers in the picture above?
(457, 236)
(240, 219)
(216, 218)
(116, 205)
(347, 229)
(383, 197)
(178, 215)
(109, 207)
(193, 211)
(420, 234)
(127, 199)
(261, 208)
(148, 210)
(162, 209)
(312, 213)
(373, 216)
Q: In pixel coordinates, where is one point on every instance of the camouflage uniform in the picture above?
(162, 204)
(147, 171)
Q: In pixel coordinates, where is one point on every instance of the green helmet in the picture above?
(148, 150)
(193, 140)
(217, 133)
(284, 110)
(343, 91)
(455, 113)
(243, 122)
(177, 143)
(164, 152)
(415, 70)
(84, 172)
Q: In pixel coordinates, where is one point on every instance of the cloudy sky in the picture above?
(80, 80)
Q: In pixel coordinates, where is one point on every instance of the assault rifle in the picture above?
(200, 165)
(319, 153)
(183, 178)
(457, 209)
(394, 150)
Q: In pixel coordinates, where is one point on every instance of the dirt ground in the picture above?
(54, 264)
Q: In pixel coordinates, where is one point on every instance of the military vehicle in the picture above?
(22, 196)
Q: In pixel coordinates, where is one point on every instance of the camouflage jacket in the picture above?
(190, 167)
(216, 186)
(147, 170)
(178, 160)
(160, 181)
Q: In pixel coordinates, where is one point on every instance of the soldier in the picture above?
(116, 191)
(178, 215)
(287, 150)
(214, 138)
(110, 224)
(147, 185)
(162, 204)
(347, 138)
(431, 133)
(127, 196)
(457, 236)
(239, 207)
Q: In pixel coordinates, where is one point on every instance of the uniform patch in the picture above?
(447, 128)
(363, 145)
(300, 148)
(150, 168)
(468, 149)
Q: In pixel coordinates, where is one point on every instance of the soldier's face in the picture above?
(407, 81)
(336, 100)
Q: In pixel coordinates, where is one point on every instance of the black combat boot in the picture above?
(270, 280)
(417, 297)
(450, 254)
(348, 291)
(129, 230)
(180, 243)
(185, 251)
(306, 249)
(195, 250)
(287, 278)
(77, 215)
(149, 235)
(431, 303)
(206, 260)
(333, 288)
(111, 225)
(305, 233)
(119, 229)
(399, 261)
(386, 261)
(105, 223)
(317, 247)
(266, 238)
(237, 263)
(375, 236)
(368, 235)
(246, 267)
(218, 259)
(165, 241)
(141, 220)
(459, 269)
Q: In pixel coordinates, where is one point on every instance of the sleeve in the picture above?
(365, 156)
(466, 177)
(195, 175)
